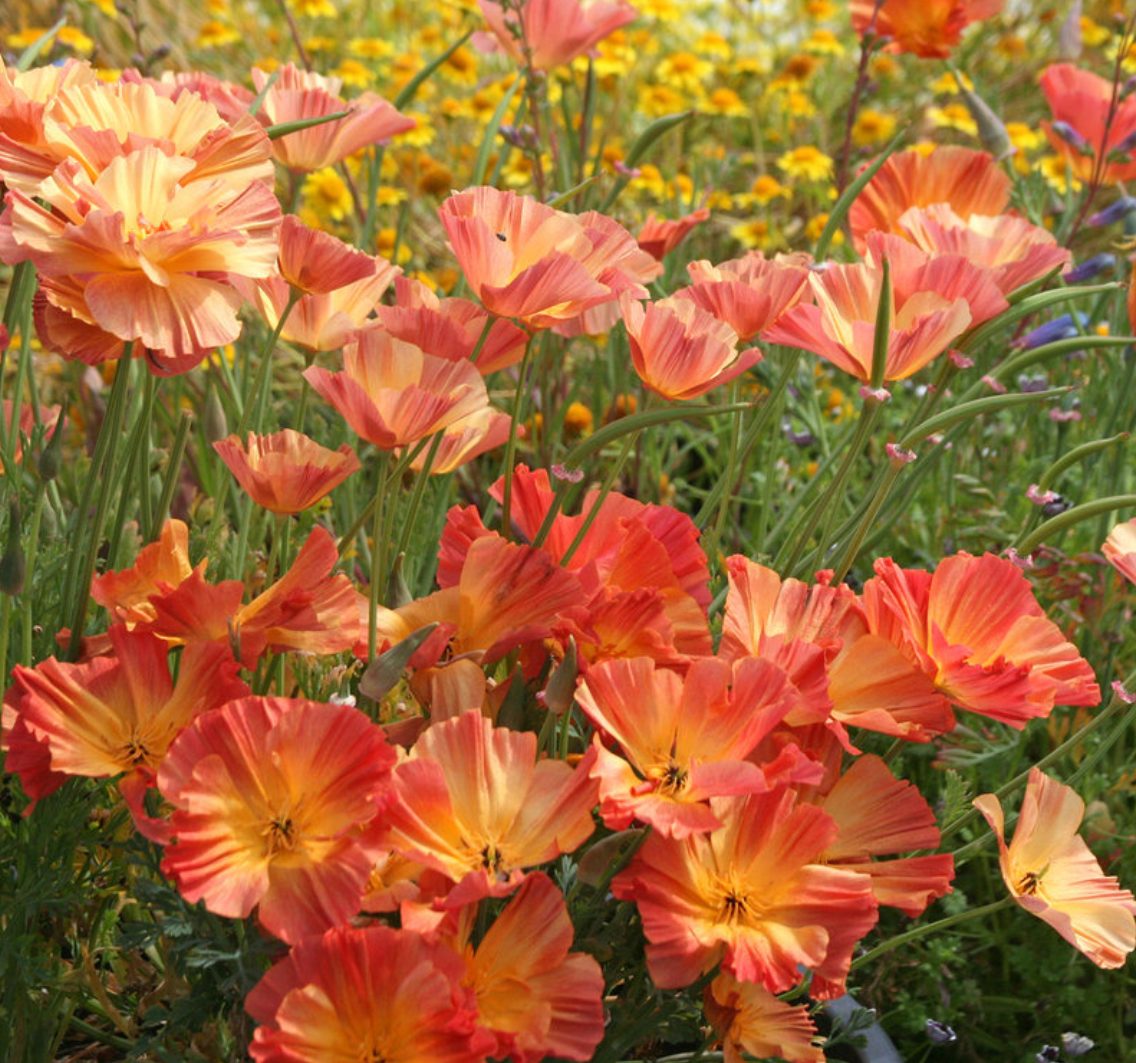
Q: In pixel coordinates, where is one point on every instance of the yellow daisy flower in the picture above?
(806, 162)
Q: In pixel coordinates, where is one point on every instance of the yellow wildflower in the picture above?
(714, 45)
(1092, 33)
(578, 421)
(751, 234)
(313, 8)
(320, 43)
(369, 47)
(821, 9)
(106, 7)
(661, 9)
(872, 127)
(1023, 137)
(1011, 46)
(815, 226)
(1057, 175)
(953, 116)
(421, 135)
(354, 73)
(806, 162)
(24, 39)
(658, 100)
(767, 188)
(461, 66)
(650, 180)
(725, 101)
(216, 34)
(823, 42)
(946, 84)
(885, 66)
(326, 193)
(385, 240)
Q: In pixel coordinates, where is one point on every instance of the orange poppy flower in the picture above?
(1051, 873)
(528, 261)
(660, 236)
(273, 799)
(296, 95)
(537, 998)
(392, 393)
(548, 33)
(681, 740)
(1120, 549)
(112, 714)
(286, 472)
(1082, 100)
(159, 567)
(467, 439)
(927, 28)
(753, 1021)
(1011, 248)
(473, 802)
(975, 628)
(751, 895)
(968, 181)
(370, 993)
(679, 350)
(748, 293)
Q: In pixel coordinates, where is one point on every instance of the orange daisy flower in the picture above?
(286, 472)
(548, 33)
(273, 799)
(1051, 873)
(473, 802)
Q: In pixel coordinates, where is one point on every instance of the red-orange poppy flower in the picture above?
(1083, 101)
(286, 472)
(681, 739)
(660, 236)
(928, 28)
(473, 802)
(159, 567)
(535, 996)
(1051, 873)
(968, 181)
(748, 293)
(751, 1020)
(528, 261)
(274, 801)
(112, 714)
(681, 351)
(1015, 251)
(548, 33)
(295, 95)
(1120, 549)
(392, 393)
(370, 993)
(751, 895)
(975, 628)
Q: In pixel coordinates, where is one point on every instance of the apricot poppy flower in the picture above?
(114, 713)
(681, 739)
(752, 895)
(927, 28)
(296, 95)
(544, 34)
(1015, 251)
(473, 802)
(753, 1021)
(534, 995)
(1051, 872)
(748, 293)
(679, 350)
(1082, 100)
(392, 393)
(528, 261)
(968, 181)
(369, 993)
(1120, 549)
(286, 472)
(273, 799)
(660, 236)
(975, 628)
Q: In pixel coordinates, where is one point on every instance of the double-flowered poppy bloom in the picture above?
(928, 28)
(274, 805)
(548, 33)
(1051, 873)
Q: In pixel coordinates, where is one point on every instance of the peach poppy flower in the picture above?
(535, 996)
(159, 567)
(528, 261)
(286, 472)
(1082, 100)
(748, 293)
(1015, 251)
(544, 34)
(928, 28)
(968, 181)
(681, 351)
(474, 802)
(370, 993)
(142, 251)
(272, 799)
(751, 895)
(297, 94)
(467, 439)
(1051, 873)
(975, 628)
(681, 739)
(1120, 549)
(934, 300)
(660, 236)
(392, 393)
(753, 1021)
(113, 714)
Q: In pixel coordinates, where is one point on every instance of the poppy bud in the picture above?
(1071, 137)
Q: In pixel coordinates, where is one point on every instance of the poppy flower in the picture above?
(286, 472)
(660, 236)
(1083, 100)
(272, 799)
(545, 34)
(748, 293)
(366, 993)
(1051, 873)
(751, 1020)
(1120, 549)
(927, 28)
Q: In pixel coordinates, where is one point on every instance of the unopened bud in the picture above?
(1071, 137)
(1126, 146)
(939, 1033)
(991, 130)
(49, 458)
(1069, 40)
(1060, 328)
(214, 422)
(1124, 206)
(1090, 268)
(12, 566)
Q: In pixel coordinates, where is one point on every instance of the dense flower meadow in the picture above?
(567, 530)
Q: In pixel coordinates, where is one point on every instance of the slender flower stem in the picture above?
(867, 46)
(857, 540)
(729, 478)
(420, 481)
(364, 515)
(173, 470)
(378, 553)
(511, 446)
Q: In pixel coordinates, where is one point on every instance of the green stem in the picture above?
(511, 447)
(420, 481)
(378, 554)
(729, 478)
(877, 500)
(173, 470)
